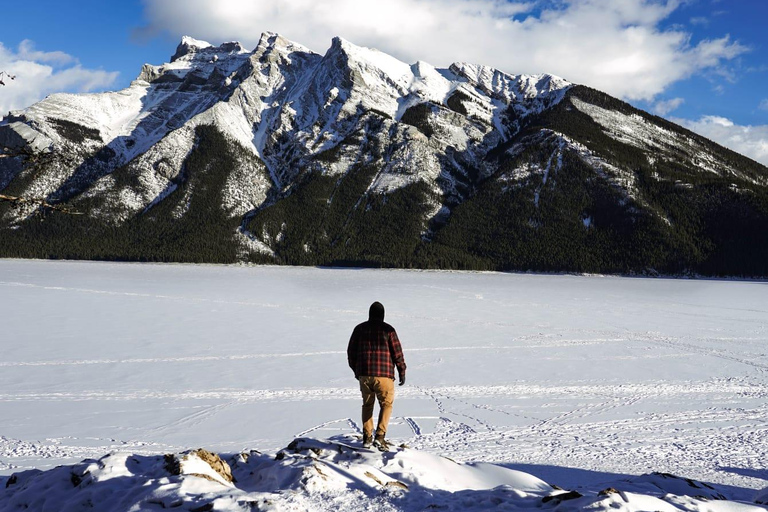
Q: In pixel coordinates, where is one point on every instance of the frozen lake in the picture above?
(569, 378)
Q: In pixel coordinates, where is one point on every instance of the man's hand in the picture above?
(402, 379)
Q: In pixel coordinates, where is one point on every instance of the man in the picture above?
(373, 353)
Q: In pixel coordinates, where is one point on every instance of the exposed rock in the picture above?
(179, 464)
(563, 496)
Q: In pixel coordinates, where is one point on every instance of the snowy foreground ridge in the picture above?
(336, 474)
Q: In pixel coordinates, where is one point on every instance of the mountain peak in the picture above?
(189, 45)
(370, 57)
(268, 39)
(510, 88)
(274, 41)
(340, 47)
(197, 43)
(339, 42)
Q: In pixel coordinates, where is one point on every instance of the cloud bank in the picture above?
(664, 107)
(618, 46)
(751, 141)
(41, 73)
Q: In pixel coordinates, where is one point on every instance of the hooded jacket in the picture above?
(374, 349)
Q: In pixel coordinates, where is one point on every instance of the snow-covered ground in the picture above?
(576, 380)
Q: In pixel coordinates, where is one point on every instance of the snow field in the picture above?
(576, 380)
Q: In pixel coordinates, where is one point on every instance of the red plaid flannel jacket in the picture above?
(374, 350)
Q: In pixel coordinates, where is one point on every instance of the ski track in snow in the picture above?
(688, 348)
(674, 442)
(692, 348)
(190, 420)
(623, 394)
(699, 426)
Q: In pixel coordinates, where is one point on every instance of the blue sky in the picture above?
(701, 63)
(738, 96)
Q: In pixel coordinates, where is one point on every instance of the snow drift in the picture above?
(334, 474)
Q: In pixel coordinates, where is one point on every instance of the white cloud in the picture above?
(664, 107)
(41, 73)
(763, 104)
(751, 141)
(27, 52)
(617, 46)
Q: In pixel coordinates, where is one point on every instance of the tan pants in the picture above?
(383, 389)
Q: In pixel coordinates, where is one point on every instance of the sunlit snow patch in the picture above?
(336, 474)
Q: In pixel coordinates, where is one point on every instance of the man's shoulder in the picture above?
(359, 329)
(374, 326)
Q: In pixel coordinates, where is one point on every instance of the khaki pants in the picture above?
(383, 389)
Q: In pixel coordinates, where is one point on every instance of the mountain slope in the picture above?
(353, 157)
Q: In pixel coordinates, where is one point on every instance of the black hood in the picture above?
(376, 312)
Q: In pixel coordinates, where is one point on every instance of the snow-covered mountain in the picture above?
(283, 155)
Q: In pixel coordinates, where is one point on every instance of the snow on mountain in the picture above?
(256, 98)
(152, 120)
(524, 92)
(660, 142)
(158, 101)
(360, 122)
(558, 146)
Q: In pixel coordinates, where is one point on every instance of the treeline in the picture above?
(580, 223)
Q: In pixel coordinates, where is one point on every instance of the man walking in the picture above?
(373, 353)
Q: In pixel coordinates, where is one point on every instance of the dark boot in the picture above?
(381, 443)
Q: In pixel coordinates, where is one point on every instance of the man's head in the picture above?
(376, 312)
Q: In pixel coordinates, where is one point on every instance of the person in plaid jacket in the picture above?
(373, 353)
